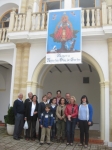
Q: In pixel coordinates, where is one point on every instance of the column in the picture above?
(39, 92)
(17, 74)
(21, 70)
(106, 83)
(24, 68)
(35, 6)
(67, 4)
(23, 6)
(109, 41)
(104, 13)
(102, 110)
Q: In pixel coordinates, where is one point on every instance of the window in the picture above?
(86, 80)
(86, 3)
(52, 5)
(4, 22)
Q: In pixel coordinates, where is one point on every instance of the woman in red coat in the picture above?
(71, 113)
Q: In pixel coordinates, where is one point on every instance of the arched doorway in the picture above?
(41, 71)
(5, 86)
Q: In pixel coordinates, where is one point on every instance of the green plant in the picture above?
(10, 117)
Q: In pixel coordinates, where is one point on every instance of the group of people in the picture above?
(57, 116)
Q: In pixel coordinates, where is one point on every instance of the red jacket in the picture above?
(71, 110)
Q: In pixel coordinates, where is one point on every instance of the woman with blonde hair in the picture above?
(71, 112)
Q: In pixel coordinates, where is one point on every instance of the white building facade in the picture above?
(23, 32)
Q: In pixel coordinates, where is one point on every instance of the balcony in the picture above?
(95, 21)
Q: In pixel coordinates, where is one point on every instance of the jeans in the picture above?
(53, 130)
(71, 129)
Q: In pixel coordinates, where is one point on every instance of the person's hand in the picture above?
(89, 123)
(69, 117)
(35, 112)
(49, 127)
(39, 120)
(41, 126)
(25, 118)
(60, 118)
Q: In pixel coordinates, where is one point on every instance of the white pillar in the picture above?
(12, 78)
(106, 112)
(67, 4)
(39, 93)
(102, 110)
(35, 6)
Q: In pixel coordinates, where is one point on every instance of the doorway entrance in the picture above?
(40, 74)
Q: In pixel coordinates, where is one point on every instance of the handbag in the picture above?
(25, 125)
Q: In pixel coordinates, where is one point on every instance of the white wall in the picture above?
(5, 94)
(95, 48)
(7, 55)
(73, 83)
(37, 53)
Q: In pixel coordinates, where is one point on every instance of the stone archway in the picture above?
(41, 71)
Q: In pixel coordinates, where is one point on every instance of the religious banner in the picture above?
(64, 39)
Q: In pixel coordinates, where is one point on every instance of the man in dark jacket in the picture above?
(67, 97)
(29, 99)
(19, 117)
(49, 97)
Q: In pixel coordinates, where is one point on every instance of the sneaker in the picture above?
(71, 144)
(85, 146)
(48, 143)
(67, 144)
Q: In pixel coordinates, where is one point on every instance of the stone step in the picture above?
(92, 141)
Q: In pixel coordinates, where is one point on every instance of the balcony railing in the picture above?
(3, 35)
(91, 17)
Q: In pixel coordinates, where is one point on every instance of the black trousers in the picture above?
(39, 132)
(19, 123)
(31, 131)
(84, 131)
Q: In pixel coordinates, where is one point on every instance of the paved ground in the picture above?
(7, 143)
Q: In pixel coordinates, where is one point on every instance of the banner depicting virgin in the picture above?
(64, 39)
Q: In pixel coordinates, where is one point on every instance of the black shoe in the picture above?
(41, 143)
(58, 141)
(20, 137)
(16, 138)
(48, 143)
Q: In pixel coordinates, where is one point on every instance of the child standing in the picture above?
(46, 124)
(53, 111)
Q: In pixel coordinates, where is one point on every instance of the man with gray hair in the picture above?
(19, 117)
(29, 99)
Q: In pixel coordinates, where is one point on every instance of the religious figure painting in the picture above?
(64, 32)
(64, 40)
